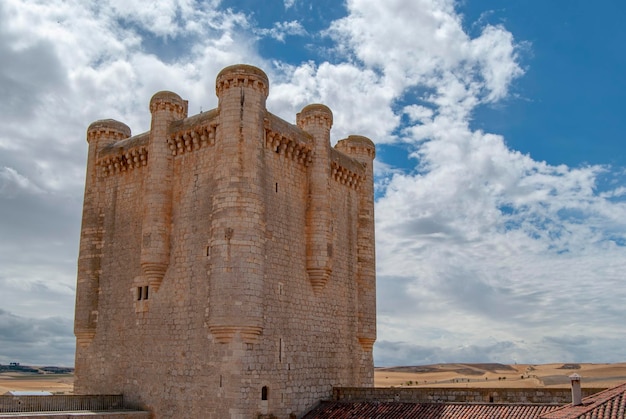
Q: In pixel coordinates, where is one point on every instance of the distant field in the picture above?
(439, 375)
(501, 375)
(54, 383)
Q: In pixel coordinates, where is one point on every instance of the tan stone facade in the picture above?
(227, 263)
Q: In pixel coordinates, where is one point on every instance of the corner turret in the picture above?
(237, 248)
(165, 107)
(245, 77)
(99, 134)
(363, 150)
(107, 131)
(317, 120)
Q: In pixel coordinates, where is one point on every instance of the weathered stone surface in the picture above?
(226, 258)
(456, 395)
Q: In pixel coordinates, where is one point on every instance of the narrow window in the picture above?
(264, 393)
(220, 381)
(280, 350)
(139, 289)
(145, 292)
(276, 187)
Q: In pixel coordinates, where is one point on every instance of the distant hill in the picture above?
(489, 375)
(17, 367)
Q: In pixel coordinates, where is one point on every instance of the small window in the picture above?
(264, 393)
(142, 293)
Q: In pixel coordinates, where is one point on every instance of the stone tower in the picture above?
(227, 265)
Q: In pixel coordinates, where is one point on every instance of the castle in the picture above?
(227, 265)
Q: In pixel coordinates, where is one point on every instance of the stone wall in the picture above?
(459, 395)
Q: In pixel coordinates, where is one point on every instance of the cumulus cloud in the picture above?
(480, 241)
(483, 253)
(68, 64)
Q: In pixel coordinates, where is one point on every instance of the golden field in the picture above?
(501, 375)
(54, 383)
(439, 375)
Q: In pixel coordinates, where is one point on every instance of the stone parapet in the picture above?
(16, 404)
(458, 395)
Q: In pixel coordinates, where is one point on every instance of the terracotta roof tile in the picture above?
(396, 410)
(607, 404)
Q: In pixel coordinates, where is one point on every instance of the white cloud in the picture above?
(482, 251)
(69, 64)
(282, 29)
(489, 242)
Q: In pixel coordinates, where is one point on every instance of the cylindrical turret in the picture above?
(155, 229)
(237, 244)
(99, 134)
(363, 150)
(317, 120)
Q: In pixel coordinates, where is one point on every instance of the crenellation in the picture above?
(169, 102)
(108, 129)
(132, 159)
(242, 76)
(345, 176)
(288, 147)
(192, 140)
(315, 114)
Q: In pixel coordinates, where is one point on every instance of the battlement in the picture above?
(109, 129)
(315, 113)
(170, 102)
(242, 75)
(198, 131)
(193, 133)
(357, 145)
(126, 154)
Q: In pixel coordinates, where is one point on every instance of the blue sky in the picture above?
(500, 173)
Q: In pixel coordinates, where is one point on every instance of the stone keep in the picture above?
(227, 265)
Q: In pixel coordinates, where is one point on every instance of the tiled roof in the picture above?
(607, 404)
(396, 410)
